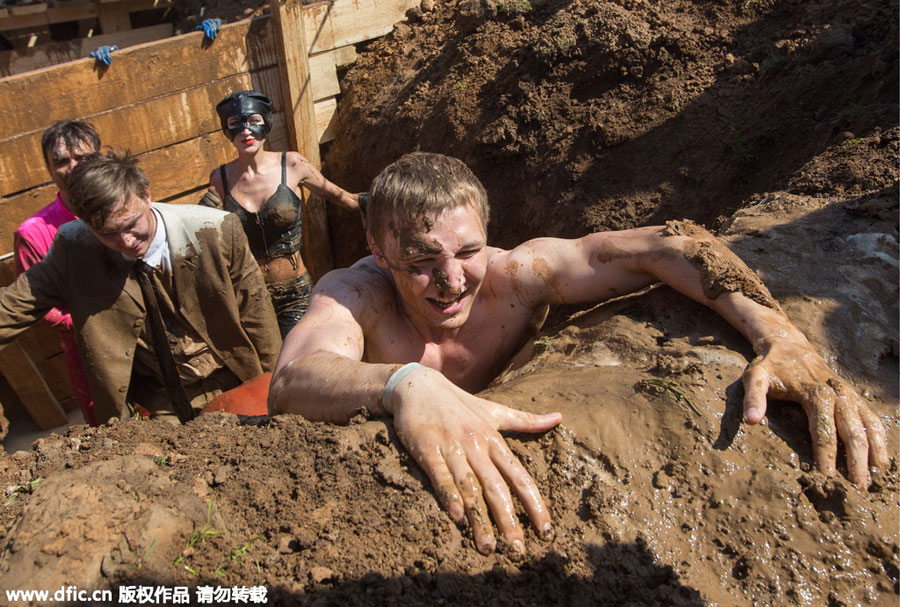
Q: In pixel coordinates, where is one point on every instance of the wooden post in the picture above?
(24, 377)
(300, 119)
(113, 16)
(21, 371)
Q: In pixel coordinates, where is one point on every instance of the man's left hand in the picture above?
(789, 369)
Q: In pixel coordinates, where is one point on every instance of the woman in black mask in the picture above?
(263, 189)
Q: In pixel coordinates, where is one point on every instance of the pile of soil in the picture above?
(581, 115)
(774, 122)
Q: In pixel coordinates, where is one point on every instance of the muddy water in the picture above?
(734, 510)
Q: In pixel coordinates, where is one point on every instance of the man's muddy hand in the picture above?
(454, 437)
(789, 369)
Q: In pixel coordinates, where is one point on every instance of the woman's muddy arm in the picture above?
(309, 177)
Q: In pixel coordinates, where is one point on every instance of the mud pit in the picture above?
(774, 122)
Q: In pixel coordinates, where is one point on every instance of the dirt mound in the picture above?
(775, 121)
(659, 495)
(584, 115)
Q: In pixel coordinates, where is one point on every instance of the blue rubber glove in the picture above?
(210, 27)
(101, 53)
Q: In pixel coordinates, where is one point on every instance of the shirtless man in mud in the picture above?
(435, 313)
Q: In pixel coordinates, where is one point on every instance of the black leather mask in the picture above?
(243, 104)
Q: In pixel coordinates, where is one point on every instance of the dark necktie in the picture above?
(159, 338)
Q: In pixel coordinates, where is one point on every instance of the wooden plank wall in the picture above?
(25, 60)
(158, 100)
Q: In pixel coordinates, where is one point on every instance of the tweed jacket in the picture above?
(218, 286)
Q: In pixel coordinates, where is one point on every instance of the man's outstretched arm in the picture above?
(320, 374)
(691, 260)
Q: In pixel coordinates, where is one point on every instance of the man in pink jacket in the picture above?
(64, 144)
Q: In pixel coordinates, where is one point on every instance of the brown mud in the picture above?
(772, 122)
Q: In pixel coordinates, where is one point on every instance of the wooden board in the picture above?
(139, 127)
(294, 72)
(43, 347)
(42, 344)
(41, 341)
(344, 56)
(7, 269)
(23, 376)
(55, 371)
(189, 197)
(55, 53)
(137, 74)
(186, 165)
(114, 17)
(158, 122)
(16, 209)
(323, 75)
(300, 115)
(69, 13)
(28, 9)
(325, 110)
(335, 24)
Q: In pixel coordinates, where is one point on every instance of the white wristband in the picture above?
(394, 381)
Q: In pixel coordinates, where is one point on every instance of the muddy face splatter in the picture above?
(413, 243)
(416, 244)
(441, 280)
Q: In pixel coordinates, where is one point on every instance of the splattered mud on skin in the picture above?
(470, 491)
(721, 271)
(512, 270)
(441, 280)
(450, 496)
(413, 244)
(609, 252)
(685, 228)
(542, 269)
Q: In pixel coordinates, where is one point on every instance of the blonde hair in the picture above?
(422, 183)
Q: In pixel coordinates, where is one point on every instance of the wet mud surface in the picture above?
(658, 492)
(773, 124)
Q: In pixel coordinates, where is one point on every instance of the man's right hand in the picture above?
(454, 436)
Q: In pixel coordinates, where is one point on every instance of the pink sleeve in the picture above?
(29, 253)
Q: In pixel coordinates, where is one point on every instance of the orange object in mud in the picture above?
(247, 399)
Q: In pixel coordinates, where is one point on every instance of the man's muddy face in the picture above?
(438, 265)
(62, 159)
(130, 228)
